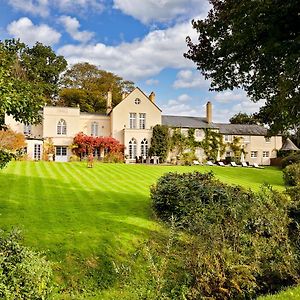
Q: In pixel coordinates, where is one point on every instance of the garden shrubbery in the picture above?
(293, 158)
(24, 274)
(238, 243)
(291, 175)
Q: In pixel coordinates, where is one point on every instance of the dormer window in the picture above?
(62, 127)
(137, 101)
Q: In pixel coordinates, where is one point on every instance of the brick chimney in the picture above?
(109, 101)
(208, 112)
(152, 97)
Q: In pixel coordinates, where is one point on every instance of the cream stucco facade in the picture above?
(131, 123)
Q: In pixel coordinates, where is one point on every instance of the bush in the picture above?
(5, 158)
(111, 157)
(291, 174)
(291, 159)
(188, 158)
(24, 274)
(238, 241)
(74, 158)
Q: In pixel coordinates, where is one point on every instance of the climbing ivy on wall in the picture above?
(212, 144)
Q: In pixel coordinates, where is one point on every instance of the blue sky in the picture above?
(141, 40)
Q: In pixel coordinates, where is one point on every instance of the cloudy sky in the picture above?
(141, 40)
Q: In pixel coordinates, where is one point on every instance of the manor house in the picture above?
(131, 123)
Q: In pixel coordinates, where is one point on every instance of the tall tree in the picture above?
(86, 85)
(244, 118)
(28, 79)
(253, 45)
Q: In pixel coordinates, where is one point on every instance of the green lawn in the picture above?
(89, 218)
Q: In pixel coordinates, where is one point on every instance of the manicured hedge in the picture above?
(238, 243)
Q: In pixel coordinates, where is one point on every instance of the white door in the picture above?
(61, 154)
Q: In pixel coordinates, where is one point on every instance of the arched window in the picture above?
(144, 148)
(132, 148)
(62, 127)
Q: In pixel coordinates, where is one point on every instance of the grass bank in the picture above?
(87, 219)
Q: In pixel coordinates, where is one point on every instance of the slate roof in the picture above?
(241, 129)
(197, 122)
(185, 122)
(289, 145)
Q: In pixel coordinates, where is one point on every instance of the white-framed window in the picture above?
(144, 147)
(27, 129)
(227, 138)
(37, 152)
(61, 151)
(246, 138)
(94, 129)
(253, 154)
(62, 127)
(132, 148)
(268, 139)
(266, 153)
(142, 120)
(132, 120)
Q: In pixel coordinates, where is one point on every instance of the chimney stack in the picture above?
(109, 101)
(152, 97)
(208, 112)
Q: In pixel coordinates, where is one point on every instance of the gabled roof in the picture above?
(185, 122)
(136, 88)
(241, 129)
(289, 145)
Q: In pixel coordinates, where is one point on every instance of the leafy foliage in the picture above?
(160, 142)
(290, 159)
(24, 274)
(244, 118)
(253, 45)
(87, 86)
(84, 144)
(291, 174)
(237, 242)
(212, 144)
(10, 143)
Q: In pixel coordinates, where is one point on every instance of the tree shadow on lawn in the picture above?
(85, 231)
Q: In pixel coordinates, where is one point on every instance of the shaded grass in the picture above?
(289, 294)
(89, 218)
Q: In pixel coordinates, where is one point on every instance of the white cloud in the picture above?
(81, 5)
(140, 59)
(152, 81)
(231, 103)
(42, 7)
(181, 107)
(35, 7)
(30, 33)
(190, 79)
(148, 11)
(72, 27)
(230, 96)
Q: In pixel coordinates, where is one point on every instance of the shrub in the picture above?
(290, 159)
(114, 157)
(74, 158)
(291, 174)
(188, 158)
(238, 241)
(24, 274)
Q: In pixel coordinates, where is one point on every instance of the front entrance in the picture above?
(61, 154)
